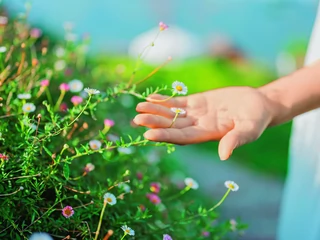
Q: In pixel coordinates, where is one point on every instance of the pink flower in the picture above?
(35, 33)
(167, 237)
(76, 100)
(68, 72)
(108, 122)
(4, 157)
(142, 207)
(163, 26)
(44, 83)
(205, 234)
(63, 107)
(64, 87)
(155, 187)
(139, 176)
(89, 167)
(67, 211)
(154, 198)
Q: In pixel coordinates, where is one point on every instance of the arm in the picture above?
(294, 94)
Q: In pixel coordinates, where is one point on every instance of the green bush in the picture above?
(67, 172)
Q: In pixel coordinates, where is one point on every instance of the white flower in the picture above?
(75, 85)
(179, 88)
(231, 185)
(125, 187)
(3, 49)
(91, 91)
(71, 37)
(60, 65)
(3, 20)
(127, 230)
(24, 96)
(191, 183)
(127, 150)
(95, 144)
(110, 198)
(60, 52)
(178, 110)
(89, 167)
(233, 224)
(28, 107)
(40, 236)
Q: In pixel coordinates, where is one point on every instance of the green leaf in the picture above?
(66, 171)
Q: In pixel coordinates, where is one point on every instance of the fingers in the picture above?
(163, 100)
(156, 109)
(240, 135)
(154, 121)
(188, 135)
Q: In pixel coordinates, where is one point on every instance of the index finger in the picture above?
(179, 102)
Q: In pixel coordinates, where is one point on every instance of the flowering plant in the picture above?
(66, 173)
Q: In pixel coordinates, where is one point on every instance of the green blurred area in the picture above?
(267, 155)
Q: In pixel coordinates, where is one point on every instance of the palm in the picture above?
(209, 116)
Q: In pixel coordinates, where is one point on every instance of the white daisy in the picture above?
(91, 91)
(40, 236)
(60, 52)
(3, 20)
(28, 107)
(179, 88)
(60, 65)
(178, 110)
(3, 49)
(95, 144)
(127, 230)
(110, 198)
(24, 96)
(125, 187)
(231, 185)
(191, 183)
(75, 85)
(125, 150)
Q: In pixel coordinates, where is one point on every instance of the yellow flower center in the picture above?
(94, 146)
(127, 231)
(179, 88)
(231, 186)
(28, 108)
(67, 212)
(109, 200)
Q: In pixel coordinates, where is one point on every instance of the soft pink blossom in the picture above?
(163, 26)
(76, 100)
(154, 198)
(108, 122)
(155, 187)
(35, 33)
(64, 87)
(67, 211)
(63, 107)
(45, 83)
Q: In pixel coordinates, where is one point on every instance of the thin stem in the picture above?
(8, 194)
(153, 72)
(183, 191)
(84, 108)
(62, 93)
(174, 119)
(124, 235)
(100, 220)
(48, 95)
(30, 176)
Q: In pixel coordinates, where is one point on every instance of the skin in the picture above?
(233, 115)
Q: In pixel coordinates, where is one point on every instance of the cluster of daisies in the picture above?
(74, 86)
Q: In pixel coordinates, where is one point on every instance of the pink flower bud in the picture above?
(64, 87)
(108, 122)
(44, 83)
(35, 33)
(163, 26)
(76, 100)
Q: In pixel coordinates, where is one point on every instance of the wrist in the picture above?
(276, 104)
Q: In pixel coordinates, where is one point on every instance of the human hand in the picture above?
(233, 115)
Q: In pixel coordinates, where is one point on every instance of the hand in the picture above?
(234, 115)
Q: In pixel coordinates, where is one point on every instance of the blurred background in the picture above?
(213, 43)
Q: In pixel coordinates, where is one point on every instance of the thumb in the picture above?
(230, 141)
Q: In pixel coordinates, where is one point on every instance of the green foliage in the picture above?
(62, 154)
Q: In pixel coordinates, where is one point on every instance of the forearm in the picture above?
(294, 94)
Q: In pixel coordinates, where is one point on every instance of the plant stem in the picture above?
(100, 221)
(174, 119)
(62, 93)
(162, 100)
(124, 235)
